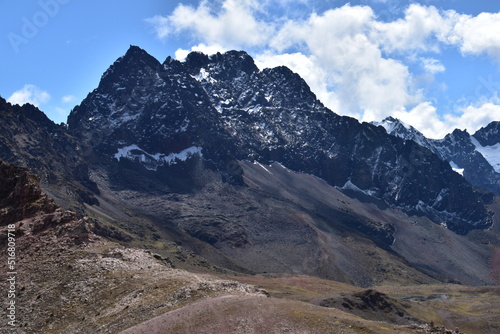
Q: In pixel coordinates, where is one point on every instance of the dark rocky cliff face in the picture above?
(489, 135)
(222, 107)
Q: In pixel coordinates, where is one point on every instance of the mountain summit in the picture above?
(222, 108)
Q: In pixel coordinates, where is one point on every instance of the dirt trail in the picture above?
(495, 265)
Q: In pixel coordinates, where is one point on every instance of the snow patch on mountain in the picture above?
(262, 166)
(351, 186)
(153, 161)
(457, 169)
(204, 76)
(396, 127)
(184, 126)
(490, 153)
(390, 123)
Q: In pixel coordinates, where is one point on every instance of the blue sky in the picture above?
(433, 64)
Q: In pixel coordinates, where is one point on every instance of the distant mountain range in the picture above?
(476, 157)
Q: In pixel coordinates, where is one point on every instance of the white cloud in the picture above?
(477, 35)
(364, 81)
(234, 26)
(68, 98)
(181, 54)
(425, 28)
(161, 25)
(414, 32)
(432, 65)
(29, 94)
(473, 118)
(426, 119)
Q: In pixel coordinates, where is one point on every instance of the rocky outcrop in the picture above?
(373, 305)
(24, 205)
(20, 195)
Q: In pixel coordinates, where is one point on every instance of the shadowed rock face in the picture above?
(224, 107)
(489, 135)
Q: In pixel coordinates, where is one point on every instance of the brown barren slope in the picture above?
(238, 315)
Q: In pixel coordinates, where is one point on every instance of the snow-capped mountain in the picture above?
(476, 157)
(222, 108)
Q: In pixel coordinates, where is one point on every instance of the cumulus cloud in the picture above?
(29, 94)
(366, 83)
(425, 28)
(234, 24)
(473, 118)
(357, 63)
(425, 118)
(478, 35)
(413, 32)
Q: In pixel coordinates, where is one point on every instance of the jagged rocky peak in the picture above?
(27, 112)
(474, 157)
(395, 127)
(133, 67)
(459, 134)
(488, 135)
(229, 64)
(233, 79)
(398, 128)
(32, 112)
(138, 56)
